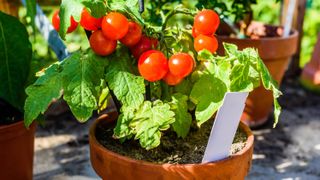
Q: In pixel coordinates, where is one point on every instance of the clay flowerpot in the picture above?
(275, 53)
(16, 151)
(110, 165)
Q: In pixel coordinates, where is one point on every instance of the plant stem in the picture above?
(115, 100)
(174, 12)
(148, 92)
(88, 33)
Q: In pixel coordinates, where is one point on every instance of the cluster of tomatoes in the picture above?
(206, 22)
(152, 64)
(108, 30)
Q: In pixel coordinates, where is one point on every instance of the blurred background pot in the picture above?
(16, 152)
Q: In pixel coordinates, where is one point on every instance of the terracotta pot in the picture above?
(16, 151)
(275, 53)
(110, 165)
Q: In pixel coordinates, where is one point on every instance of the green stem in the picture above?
(174, 12)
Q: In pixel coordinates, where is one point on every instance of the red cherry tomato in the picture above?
(206, 42)
(153, 65)
(206, 22)
(102, 45)
(143, 45)
(195, 33)
(56, 22)
(171, 79)
(133, 36)
(115, 26)
(89, 22)
(181, 64)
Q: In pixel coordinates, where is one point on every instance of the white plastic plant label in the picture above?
(225, 127)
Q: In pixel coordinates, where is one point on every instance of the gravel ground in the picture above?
(290, 151)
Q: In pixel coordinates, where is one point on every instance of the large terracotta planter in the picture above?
(16, 151)
(275, 53)
(109, 165)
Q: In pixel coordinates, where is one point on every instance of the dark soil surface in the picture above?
(172, 150)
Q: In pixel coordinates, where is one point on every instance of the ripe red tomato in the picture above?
(206, 42)
(195, 33)
(153, 65)
(181, 65)
(206, 22)
(56, 22)
(115, 26)
(89, 22)
(145, 44)
(133, 36)
(102, 45)
(171, 79)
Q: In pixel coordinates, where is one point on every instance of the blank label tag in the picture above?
(225, 127)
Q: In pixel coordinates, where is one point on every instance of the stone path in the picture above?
(290, 151)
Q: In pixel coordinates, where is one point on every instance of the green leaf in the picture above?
(69, 8)
(240, 79)
(97, 8)
(123, 129)
(47, 88)
(230, 49)
(127, 87)
(129, 7)
(205, 55)
(184, 87)
(207, 93)
(82, 74)
(183, 119)
(16, 55)
(103, 98)
(270, 84)
(149, 120)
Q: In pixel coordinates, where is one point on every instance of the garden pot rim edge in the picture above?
(292, 35)
(93, 140)
(15, 124)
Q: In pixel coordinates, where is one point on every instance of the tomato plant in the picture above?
(147, 88)
(56, 22)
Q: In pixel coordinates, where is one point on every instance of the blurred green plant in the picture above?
(311, 28)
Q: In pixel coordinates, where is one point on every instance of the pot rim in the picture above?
(93, 140)
(294, 34)
(17, 123)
